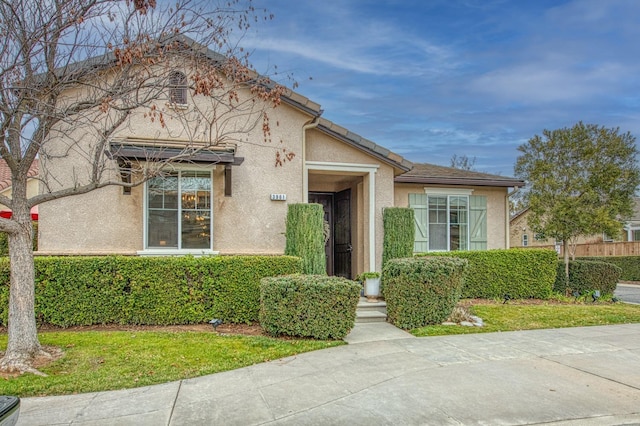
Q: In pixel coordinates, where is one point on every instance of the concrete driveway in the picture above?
(629, 293)
(571, 376)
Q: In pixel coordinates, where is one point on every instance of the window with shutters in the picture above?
(448, 222)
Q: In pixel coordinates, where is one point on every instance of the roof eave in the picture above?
(505, 183)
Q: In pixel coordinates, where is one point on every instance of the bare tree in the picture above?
(72, 75)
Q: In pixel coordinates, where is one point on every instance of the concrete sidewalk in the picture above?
(585, 376)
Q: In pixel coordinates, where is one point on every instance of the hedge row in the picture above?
(422, 291)
(315, 306)
(148, 290)
(519, 273)
(630, 265)
(586, 276)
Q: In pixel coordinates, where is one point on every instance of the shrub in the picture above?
(305, 236)
(586, 276)
(519, 273)
(148, 290)
(422, 291)
(308, 306)
(630, 265)
(399, 233)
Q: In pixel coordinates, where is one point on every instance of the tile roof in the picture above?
(433, 174)
(5, 173)
(366, 145)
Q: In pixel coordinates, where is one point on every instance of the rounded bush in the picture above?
(315, 306)
(423, 290)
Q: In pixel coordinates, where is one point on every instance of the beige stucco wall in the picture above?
(107, 221)
(496, 208)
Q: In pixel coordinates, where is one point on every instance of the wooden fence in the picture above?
(623, 248)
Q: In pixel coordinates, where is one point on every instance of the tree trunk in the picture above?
(565, 244)
(23, 345)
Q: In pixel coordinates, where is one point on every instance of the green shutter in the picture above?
(418, 202)
(478, 222)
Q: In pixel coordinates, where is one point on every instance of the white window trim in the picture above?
(525, 240)
(447, 191)
(171, 251)
(449, 195)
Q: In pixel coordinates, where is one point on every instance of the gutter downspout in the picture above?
(508, 216)
(305, 175)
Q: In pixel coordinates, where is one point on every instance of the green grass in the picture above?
(107, 360)
(514, 316)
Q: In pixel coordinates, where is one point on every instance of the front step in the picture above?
(371, 311)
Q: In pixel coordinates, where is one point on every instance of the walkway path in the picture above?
(582, 376)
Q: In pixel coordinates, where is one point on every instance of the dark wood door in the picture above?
(342, 234)
(326, 200)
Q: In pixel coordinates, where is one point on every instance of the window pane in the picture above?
(162, 228)
(179, 202)
(196, 229)
(437, 237)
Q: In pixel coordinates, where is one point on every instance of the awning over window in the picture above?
(129, 152)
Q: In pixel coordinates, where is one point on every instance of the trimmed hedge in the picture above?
(148, 290)
(586, 276)
(423, 290)
(315, 306)
(630, 265)
(399, 233)
(305, 236)
(519, 273)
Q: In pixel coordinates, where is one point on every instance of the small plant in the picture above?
(365, 275)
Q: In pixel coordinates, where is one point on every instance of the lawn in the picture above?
(106, 360)
(525, 315)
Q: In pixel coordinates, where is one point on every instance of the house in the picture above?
(232, 198)
(521, 234)
(5, 186)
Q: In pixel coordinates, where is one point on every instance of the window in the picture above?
(178, 88)
(635, 235)
(525, 240)
(449, 222)
(179, 211)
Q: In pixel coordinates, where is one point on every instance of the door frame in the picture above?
(367, 170)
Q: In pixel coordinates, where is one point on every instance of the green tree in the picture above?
(581, 181)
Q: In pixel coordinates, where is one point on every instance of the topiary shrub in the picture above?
(423, 290)
(586, 276)
(519, 273)
(305, 236)
(399, 233)
(308, 306)
(630, 265)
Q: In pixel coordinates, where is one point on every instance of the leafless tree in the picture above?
(76, 71)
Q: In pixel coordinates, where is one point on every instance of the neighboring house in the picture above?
(521, 234)
(5, 186)
(233, 199)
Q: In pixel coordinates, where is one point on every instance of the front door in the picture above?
(337, 214)
(342, 234)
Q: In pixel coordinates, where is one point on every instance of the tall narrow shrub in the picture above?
(305, 236)
(399, 233)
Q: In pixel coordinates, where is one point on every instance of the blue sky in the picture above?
(432, 78)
